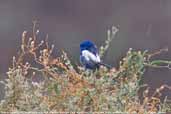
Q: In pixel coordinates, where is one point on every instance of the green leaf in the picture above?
(159, 62)
(57, 88)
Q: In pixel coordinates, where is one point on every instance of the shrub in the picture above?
(64, 87)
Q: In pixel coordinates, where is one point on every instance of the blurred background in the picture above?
(143, 25)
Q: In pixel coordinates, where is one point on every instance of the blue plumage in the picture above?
(89, 56)
(88, 45)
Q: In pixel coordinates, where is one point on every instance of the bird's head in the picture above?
(88, 45)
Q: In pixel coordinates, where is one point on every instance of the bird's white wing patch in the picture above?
(90, 56)
(98, 58)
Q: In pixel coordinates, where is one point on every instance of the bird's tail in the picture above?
(106, 65)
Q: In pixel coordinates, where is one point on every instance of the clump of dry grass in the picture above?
(63, 88)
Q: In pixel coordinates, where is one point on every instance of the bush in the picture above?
(64, 87)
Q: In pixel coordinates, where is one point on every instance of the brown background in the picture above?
(143, 24)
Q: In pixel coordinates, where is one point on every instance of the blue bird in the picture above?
(89, 56)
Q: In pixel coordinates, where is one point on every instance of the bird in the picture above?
(89, 56)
